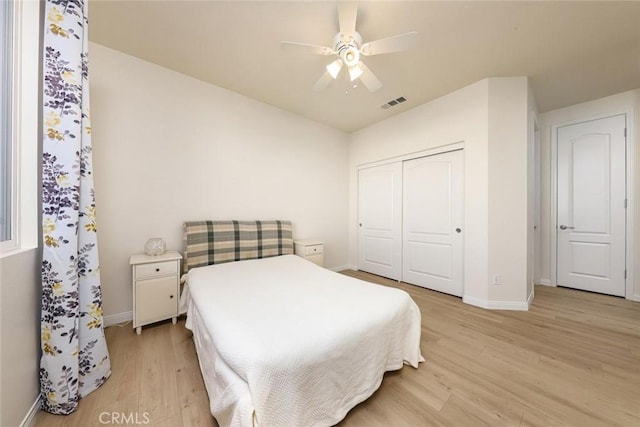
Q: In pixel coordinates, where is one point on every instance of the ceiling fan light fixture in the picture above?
(334, 68)
(355, 72)
(351, 56)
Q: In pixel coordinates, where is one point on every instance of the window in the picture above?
(19, 131)
(6, 141)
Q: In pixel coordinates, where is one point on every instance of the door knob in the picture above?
(564, 227)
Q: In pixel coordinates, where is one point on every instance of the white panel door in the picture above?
(380, 220)
(432, 222)
(591, 206)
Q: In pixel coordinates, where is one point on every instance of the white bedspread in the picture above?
(283, 342)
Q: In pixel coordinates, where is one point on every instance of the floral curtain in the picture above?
(75, 360)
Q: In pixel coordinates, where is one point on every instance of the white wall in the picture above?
(170, 148)
(19, 335)
(491, 118)
(627, 102)
(533, 200)
(508, 245)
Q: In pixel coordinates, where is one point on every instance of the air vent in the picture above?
(393, 103)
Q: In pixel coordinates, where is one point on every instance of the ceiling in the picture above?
(572, 51)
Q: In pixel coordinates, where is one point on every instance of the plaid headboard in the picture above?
(215, 242)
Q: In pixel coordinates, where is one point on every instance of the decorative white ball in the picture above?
(155, 246)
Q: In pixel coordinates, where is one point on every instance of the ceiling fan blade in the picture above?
(323, 82)
(347, 15)
(369, 79)
(334, 68)
(398, 43)
(311, 49)
(355, 71)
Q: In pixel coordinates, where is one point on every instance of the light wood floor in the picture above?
(573, 359)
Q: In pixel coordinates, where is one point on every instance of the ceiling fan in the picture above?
(348, 47)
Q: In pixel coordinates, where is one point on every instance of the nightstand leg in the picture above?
(139, 330)
(174, 320)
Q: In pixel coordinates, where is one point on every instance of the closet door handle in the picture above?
(458, 230)
(564, 227)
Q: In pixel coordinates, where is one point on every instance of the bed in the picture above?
(281, 341)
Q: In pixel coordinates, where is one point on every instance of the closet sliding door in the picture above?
(380, 220)
(433, 216)
(410, 217)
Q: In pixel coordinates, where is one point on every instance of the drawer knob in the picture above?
(171, 296)
(157, 269)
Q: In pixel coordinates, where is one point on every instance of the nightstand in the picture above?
(313, 250)
(156, 288)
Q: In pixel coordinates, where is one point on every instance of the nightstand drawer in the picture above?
(313, 250)
(156, 299)
(156, 269)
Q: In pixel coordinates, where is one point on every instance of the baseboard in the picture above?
(497, 305)
(30, 419)
(545, 282)
(530, 299)
(340, 268)
(114, 319)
